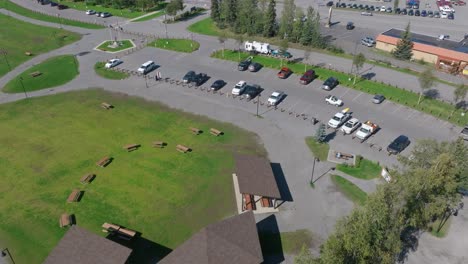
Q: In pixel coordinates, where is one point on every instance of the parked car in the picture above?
(350, 26)
(403, 12)
(90, 12)
(430, 13)
(366, 42)
(52, 3)
(464, 133)
(424, 13)
(333, 100)
(383, 9)
(278, 53)
(378, 98)
(338, 119)
(443, 15)
(244, 65)
(366, 13)
(251, 91)
(275, 98)
(307, 77)
(200, 79)
(218, 84)
(389, 10)
(329, 3)
(255, 67)
(398, 145)
(189, 77)
(417, 13)
(61, 7)
(112, 63)
(397, 11)
(147, 67)
(106, 14)
(284, 73)
(330, 83)
(370, 39)
(451, 16)
(350, 126)
(436, 14)
(411, 12)
(239, 88)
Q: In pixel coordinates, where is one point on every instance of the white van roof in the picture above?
(147, 63)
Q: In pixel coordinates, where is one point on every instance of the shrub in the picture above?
(358, 161)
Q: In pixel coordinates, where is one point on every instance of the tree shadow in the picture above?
(410, 241)
(281, 182)
(462, 105)
(432, 93)
(368, 75)
(330, 136)
(270, 240)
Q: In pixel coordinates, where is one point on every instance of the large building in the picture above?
(447, 55)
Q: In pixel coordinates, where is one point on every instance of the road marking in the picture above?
(360, 93)
(411, 114)
(347, 90)
(398, 108)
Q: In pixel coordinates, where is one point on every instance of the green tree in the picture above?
(404, 47)
(317, 39)
(426, 81)
(306, 57)
(248, 14)
(304, 256)
(269, 27)
(215, 11)
(222, 40)
(239, 41)
(358, 62)
(229, 12)
(283, 48)
(459, 95)
(321, 133)
(174, 6)
(287, 19)
(297, 25)
(310, 35)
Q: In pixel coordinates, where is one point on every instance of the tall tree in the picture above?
(321, 133)
(287, 19)
(297, 25)
(283, 48)
(269, 27)
(222, 40)
(239, 40)
(426, 81)
(304, 256)
(306, 57)
(404, 47)
(229, 12)
(459, 95)
(215, 12)
(311, 30)
(248, 14)
(358, 62)
(174, 6)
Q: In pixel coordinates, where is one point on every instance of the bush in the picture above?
(358, 161)
(335, 49)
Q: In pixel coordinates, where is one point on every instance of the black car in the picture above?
(251, 91)
(398, 145)
(189, 77)
(397, 11)
(53, 4)
(430, 13)
(330, 83)
(417, 13)
(255, 67)
(200, 79)
(403, 12)
(244, 65)
(218, 84)
(354, 6)
(330, 3)
(61, 7)
(451, 16)
(350, 26)
(361, 6)
(411, 12)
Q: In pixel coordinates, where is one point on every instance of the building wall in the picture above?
(384, 46)
(417, 55)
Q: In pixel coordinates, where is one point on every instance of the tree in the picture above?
(358, 62)
(287, 19)
(248, 16)
(297, 25)
(215, 11)
(426, 81)
(239, 40)
(306, 57)
(310, 34)
(283, 48)
(174, 6)
(321, 133)
(229, 12)
(222, 40)
(404, 47)
(269, 28)
(459, 95)
(304, 256)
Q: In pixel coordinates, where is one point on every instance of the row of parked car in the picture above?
(98, 14)
(54, 4)
(399, 11)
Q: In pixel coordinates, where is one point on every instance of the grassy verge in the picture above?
(179, 45)
(149, 17)
(54, 72)
(124, 44)
(53, 19)
(350, 190)
(18, 37)
(204, 27)
(161, 193)
(365, 169)
(107, 73)
(320, 150)
(434, 107)
(443, 230)
(125, 12)
(285, 242)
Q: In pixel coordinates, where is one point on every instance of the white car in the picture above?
(350, 126)
(333, 100)
(239, 88)
(443, 15)
(90, 12)
(112, 63)
(383, 9)
(147, 67)
(275, 98)
(338, 119)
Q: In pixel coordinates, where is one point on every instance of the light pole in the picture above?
(4, 52)
(313, 169)
(258, 103)
(59, 20)
(22, 85)
(165, 24)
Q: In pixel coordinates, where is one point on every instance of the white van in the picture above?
(147, 67)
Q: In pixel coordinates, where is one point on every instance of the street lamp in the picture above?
(258, 102)
(59, 20)
(22, 85)
(4, 53)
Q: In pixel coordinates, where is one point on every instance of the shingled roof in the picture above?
(80, 246)
(234, 240)
(256, 177)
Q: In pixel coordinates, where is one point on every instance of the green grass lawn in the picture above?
(366, 170)
(18, 37)
(180, 45)
(107, 73)
(443, 230)
(437, 108)
(49, 142)
(124, 44)
(205, 27)
(285, 242)
(126, 12)
(149, 17)
(320, 150)
(55, 71)
(29, 13)
(350, 190)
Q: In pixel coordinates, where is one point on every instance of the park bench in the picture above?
(35, 74)
(215, 132)
(249, 202)
(159, 144)
(104, 162)
(27, 53)
(195, 130)
(126, 234)
(65, 220)
(74, 196)
(110, 227)
(266, 202)
(106, 105)
(182, 148)
(131, 147)
(87, 178)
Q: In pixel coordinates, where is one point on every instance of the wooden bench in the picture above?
(215, 132)
(106, 105)
(195, 130)
(110, 227)
(74, 196)
(65, 220)
(87, 178)
(35, 74)
(126, 233)
(182, 148)
(249, 202)
(266, 202)
(159, 144)
(103, 162)
(27, 53)
(131, 147)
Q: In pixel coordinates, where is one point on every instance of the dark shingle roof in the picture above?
(80, 246)
(231, 241)
(256, 177)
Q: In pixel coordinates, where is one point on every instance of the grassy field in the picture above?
(439, 109)
(149, 17)
(179, 45)
(162, 193)
(107, 73)
(285, 242)
(366, 170)
(320, 150)
(350, 190)
(124, 44)
(53, 19)
(54, 72)
(205, 27)
(18, 37)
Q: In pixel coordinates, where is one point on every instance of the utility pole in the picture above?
(313, 169)
(4, 52)
(165, 24)
(258, 103)
(59, 20)
(22, 85)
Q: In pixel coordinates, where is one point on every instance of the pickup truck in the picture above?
(333, 100)
(366, 130)
(339, 118)
(350, 126)
(284, 73)
(464, 133)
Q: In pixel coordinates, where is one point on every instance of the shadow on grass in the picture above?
(432, 93)
(281, 182)
(144, 251)
(270, 240)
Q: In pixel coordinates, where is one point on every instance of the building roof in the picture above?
(234, 240)
(433, 45)
(80, 246)
(256, 177)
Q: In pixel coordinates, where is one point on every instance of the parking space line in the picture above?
(398, 108)
(360, 93)
(347, 90)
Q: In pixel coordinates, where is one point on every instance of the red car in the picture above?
(284, 73)
(307, 77)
